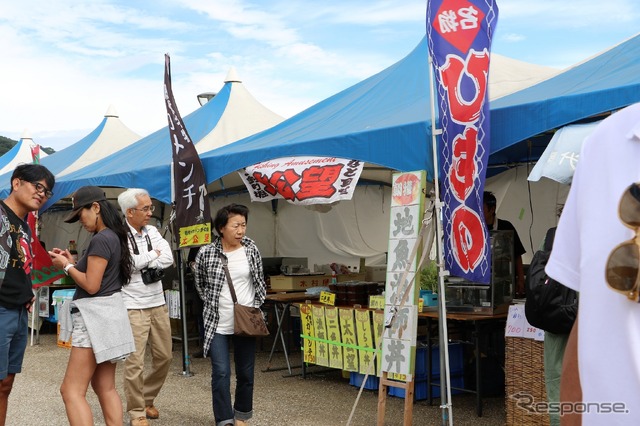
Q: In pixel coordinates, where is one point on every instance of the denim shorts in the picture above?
(80, 336)
(14, 334)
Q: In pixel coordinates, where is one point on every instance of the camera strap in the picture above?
(135, 246)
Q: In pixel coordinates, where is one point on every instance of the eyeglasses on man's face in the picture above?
(41, 189)
(146, 209)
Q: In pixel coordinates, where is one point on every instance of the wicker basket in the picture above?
(524, 364)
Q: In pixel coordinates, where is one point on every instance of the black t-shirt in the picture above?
(15, 289)
(518, 248)
(104, 244)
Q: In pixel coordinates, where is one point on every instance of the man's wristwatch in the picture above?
(67, 267)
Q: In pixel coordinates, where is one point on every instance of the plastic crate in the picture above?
(456, 361)
(429, 298)
(420, 388)
(372, 383)
(58, 297)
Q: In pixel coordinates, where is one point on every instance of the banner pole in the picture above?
(186, 362)
(443, 336)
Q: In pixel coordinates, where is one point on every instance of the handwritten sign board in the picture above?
(518, 326)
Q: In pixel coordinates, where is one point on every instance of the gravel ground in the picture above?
(324, 398)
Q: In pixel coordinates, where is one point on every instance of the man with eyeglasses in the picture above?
(31, 186)
(148, 314)
(600, 383)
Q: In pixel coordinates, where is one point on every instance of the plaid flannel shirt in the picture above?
(210, 277)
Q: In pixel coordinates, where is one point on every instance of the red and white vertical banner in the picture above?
(41, 267)
(459, 33)
(193, 218)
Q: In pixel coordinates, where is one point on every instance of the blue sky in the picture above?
(66, 61)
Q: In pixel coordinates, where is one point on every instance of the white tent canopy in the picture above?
(112, 137)
(19, 154)
(241, 108)
(232, 115)
(508, 75)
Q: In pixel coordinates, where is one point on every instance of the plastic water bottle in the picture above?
(334, 279)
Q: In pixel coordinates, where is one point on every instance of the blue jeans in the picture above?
(14, 334)
(244, 350)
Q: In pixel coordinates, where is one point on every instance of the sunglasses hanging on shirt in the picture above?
(623, 263)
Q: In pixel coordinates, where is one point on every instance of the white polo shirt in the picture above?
(137, 294)
(589, 228)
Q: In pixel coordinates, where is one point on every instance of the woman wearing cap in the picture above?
(101, 331)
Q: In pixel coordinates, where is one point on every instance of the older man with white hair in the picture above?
(148, 314)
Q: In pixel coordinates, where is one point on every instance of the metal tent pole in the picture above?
(445, 379)
(186, 361)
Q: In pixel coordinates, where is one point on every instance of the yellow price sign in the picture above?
(376, 302)
(327, 298)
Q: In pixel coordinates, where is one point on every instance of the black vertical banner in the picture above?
(193, 218)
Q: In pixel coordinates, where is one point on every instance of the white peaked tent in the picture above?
(231, 115)
(243, 116)
(110, 136)
(104, 159)
(509, 75)
(19, 154)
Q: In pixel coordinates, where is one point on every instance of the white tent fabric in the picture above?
(348, 231)
(232, 115)
(509, 75)
(113, 136)
(243, 108)
(532, 207)
(559, 159)
(19, 154)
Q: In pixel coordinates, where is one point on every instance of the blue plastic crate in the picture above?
(372, 383)
(420, 388)
(456, 361)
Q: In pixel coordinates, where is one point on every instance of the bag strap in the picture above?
(548, 240)
(226, 272)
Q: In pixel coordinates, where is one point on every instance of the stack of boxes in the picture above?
(456, 367)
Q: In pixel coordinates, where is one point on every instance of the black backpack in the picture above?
(550, 305)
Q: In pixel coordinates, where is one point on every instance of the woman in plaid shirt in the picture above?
(245, 269)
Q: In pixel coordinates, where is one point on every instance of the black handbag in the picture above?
(247, 320)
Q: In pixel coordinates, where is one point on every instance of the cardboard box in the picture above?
(376, 273)
(350, 277)
(298, 282)
(63, 344)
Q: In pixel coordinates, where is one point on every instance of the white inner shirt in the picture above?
(242, 284)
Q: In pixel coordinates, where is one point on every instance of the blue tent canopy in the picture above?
(147, 162)
(383, 120)
(602, 84)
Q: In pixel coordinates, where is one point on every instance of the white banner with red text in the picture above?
(303, 180)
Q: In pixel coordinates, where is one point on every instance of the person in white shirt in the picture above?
(144, 299)
(600, 383)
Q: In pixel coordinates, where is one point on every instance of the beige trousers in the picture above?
(149, 326)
